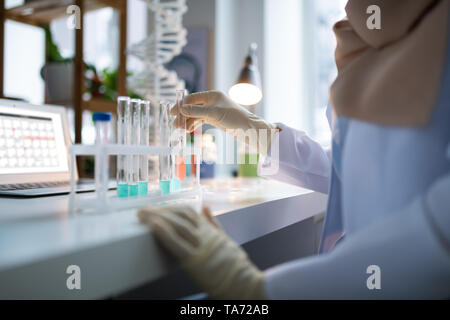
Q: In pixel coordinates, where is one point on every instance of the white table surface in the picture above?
(39, 239)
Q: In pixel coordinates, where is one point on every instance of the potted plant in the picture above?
(57, 73)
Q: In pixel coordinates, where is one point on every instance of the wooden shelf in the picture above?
(99, 105)
(42, 12)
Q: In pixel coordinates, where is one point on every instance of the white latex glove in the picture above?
(215, 262)
(215, 108)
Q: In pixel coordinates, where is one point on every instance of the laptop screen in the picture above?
(31, 142)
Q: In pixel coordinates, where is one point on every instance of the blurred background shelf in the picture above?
(41, 13)
(99, 105)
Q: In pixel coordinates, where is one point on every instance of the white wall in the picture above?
(284, 31)
(276, 29)
(283, 64)
(201, 13)
(238, 23)
(289, 61)
(225, 35)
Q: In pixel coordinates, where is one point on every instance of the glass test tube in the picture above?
(144, 141)
(175, 150)
(135, 105)
(164, 141)
(102, 135)
(123, 137)
(182, 131)
(153, 166)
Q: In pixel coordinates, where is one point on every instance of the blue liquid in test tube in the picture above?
(164, 138)
(123, 133)
(135, 106)
(144, 141)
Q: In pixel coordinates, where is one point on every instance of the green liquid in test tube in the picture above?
(144, 141)
(133, 189)
(123, 133)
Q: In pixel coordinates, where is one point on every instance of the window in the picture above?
(24, 58)
(299, 65)
(327, 12)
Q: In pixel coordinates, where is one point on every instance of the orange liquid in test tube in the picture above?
(193, 166)
(181, 167)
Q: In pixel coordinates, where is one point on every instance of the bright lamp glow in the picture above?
(245, 94)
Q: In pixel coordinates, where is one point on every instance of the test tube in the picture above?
(175, 151)
(164, 141)
(153, 167)
(144, 141)
(102, 129)
(182, 131)
(123, 137)
(135, 105)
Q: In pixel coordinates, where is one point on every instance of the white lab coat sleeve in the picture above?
(297, 160)
(410, 251)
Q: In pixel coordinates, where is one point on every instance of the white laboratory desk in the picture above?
(39, 239)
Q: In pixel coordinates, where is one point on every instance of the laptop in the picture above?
(34, 157)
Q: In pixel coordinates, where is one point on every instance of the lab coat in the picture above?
(388, 207)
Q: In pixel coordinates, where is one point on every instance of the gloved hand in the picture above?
(215, 108)
(215, 262)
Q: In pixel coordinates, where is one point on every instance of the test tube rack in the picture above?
(112, 202)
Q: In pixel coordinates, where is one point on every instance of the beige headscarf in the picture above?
(390, 76)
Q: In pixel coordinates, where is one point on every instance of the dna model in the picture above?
(155, 82)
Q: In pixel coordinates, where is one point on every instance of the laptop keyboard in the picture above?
(24, 186)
